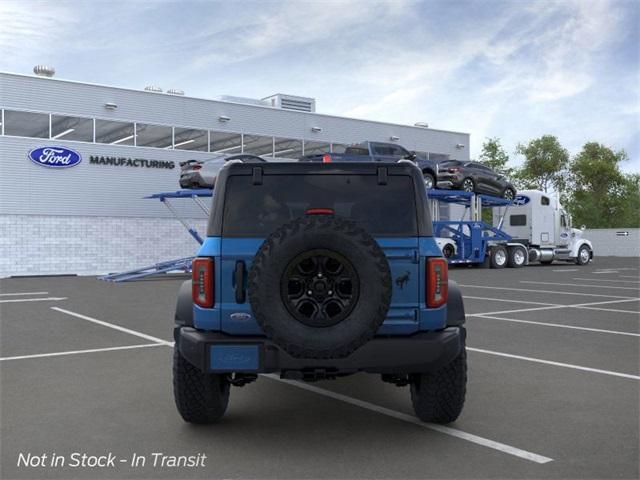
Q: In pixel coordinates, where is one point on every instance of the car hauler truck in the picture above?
(538, 221)
(532, 228)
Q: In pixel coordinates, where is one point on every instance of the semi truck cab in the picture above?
(538, 221)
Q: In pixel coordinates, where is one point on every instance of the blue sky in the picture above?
(514, 69)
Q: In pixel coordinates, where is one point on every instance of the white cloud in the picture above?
(32, 29)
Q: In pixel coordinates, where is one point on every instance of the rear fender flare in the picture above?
(184, 306)
(455, 306)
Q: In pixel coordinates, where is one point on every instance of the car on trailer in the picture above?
(203, 173)
(474, 177)
(317, 271)
(381, 152)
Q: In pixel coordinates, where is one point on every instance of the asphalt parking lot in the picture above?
(554, 383)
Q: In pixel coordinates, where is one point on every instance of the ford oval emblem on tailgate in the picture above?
(240, 316)
(55, 157)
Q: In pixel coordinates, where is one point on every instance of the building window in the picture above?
(258, 145)
(26, 124)
(71, 128)
(224, 142)
(190, 139)
(114, 133)
(316, 148)
(287, 148)
(157, 136)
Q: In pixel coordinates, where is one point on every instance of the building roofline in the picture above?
(232, 103)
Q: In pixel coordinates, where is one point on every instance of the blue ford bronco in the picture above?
(317, 271)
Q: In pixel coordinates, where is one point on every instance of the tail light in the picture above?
(453, 170)
(196, 167)
(437, 282)
(202, 289)
(326, 158)
(319, 211)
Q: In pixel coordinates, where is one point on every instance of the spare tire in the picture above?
(320, 286)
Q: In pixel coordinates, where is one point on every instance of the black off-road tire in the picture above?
(438, 397)
(200, 397)
(328, 233)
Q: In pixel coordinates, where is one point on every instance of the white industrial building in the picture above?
(92, 218)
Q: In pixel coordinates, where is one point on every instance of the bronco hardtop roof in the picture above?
(316, 168)
(380, 169)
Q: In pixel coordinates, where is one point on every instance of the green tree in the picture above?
(600, 195)
(494, 156)
(545, 164)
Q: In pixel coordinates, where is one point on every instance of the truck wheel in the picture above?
(498, 257)
(200, 397)
(429, 181)
(584, 255)
(438, 397)
(517, 257)
(305, 288)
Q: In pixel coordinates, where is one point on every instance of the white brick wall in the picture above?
(45, 245)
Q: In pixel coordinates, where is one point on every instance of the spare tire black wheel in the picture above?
(320, 286)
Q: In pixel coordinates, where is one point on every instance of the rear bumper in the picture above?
(192, 179)
(451, 180)
(421, 352)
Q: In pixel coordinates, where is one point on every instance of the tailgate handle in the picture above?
(238, 277)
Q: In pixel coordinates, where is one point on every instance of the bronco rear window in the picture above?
(257, 210)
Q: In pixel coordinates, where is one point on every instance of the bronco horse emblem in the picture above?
(402, 280)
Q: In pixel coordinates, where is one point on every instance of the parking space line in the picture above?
(531, 290)
(113, 326)
(632, 312)
(23, 293)
(604, 280)
(485, 442)
(19, 300)
(613, 269)
(75, 352)
(628, 276)
(581, 285)
(551, 306)
(466, 297)
(557, 364)
(567, 270)
(558, 325)
(519, 310)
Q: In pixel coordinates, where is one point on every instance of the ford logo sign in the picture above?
(55, 157)
(521, 200)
